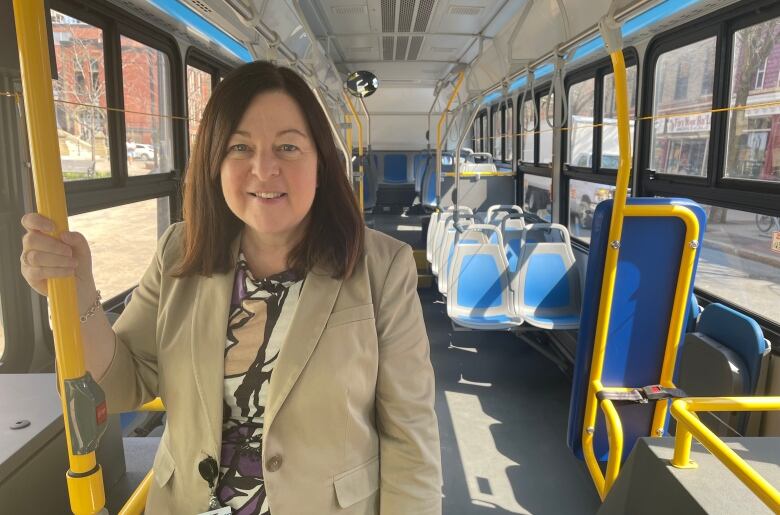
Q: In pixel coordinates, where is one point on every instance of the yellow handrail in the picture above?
(361, 174)
(604, 482)
(137, 502)
(438, 136)
(688, 425)
(84, 478)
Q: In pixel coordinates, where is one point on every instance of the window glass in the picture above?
(119, 262)
(527, 133)
(477, 134)
(681, 130)
(584, 196)
(80, 99)
(737, 263)
(547, 115)
(753, 148)
(146, 77)
(581, 101)
(198, 93)
(497, 135)
(509, 135)
(609, 138)
(537, 196)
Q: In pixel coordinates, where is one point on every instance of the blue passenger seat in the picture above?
(479, 296)
(547, 285)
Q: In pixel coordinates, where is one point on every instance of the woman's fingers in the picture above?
(36, 222)
(38, 242)
(43, 259)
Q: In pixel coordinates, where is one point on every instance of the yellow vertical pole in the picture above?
(438, 136)
(360, 148)
(84, 478)
(610, 270)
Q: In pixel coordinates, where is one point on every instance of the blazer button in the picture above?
(274, 463)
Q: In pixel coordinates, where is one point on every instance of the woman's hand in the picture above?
(45, 257)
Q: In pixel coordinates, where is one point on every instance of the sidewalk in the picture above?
(742, 240)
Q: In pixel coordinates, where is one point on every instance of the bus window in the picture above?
(545, 129)
(146, 80)
(737, 262)
(509, 140)
(753, 149)
(484, 145)
(80, 99)
(118, 262)
(584, 196)
(682, 104)
(581, 99)
(198, 93)
(609, 138)
(527, 133)
(537, 196)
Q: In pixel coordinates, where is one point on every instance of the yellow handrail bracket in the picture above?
(689, 425)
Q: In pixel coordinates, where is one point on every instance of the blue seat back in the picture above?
(394, 169)
(648, 265)
(739, 333)
(421, 162)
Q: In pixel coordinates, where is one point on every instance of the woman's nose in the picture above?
(265, 164)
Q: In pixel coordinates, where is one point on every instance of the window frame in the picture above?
(94, 194)
(715, 188)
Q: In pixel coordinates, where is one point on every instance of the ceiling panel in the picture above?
(469, 16)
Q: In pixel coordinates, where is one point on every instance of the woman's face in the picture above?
(269, 175)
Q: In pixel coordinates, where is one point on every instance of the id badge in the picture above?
(225, 510)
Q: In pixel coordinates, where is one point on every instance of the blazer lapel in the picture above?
(209, 329)
(315, 305)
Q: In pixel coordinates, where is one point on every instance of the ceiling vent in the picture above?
(424, 11)
(349, 10)
(201, 6)
(401, 43)
(405, 15)
(465, 10)
(388, 15)
(387, 48)
(414, 48)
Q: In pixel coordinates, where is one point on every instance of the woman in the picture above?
(285, 340)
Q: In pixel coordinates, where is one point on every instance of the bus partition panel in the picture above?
(654, 274)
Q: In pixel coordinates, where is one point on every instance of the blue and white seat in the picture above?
(479, 295)
(547, 285)
(438, 237)
(452, 237)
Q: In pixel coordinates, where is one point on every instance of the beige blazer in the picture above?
(350, 426)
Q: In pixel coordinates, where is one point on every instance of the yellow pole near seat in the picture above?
(360, 148)
(84, 478)
(438, 136)
(610, 272)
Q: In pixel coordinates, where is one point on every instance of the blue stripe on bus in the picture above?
(193, 20)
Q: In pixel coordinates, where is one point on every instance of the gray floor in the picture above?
(502, 411)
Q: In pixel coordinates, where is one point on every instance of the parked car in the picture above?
(144, 151)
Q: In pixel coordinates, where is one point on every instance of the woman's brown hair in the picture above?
(334, 234)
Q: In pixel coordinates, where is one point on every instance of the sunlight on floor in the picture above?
(483, 466)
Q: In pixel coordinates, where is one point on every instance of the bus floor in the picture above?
(502, 410)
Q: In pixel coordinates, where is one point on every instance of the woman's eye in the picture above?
(238, 148)
(288, 148)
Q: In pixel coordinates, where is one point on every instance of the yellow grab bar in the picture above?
(688, 425)
(84, 477)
